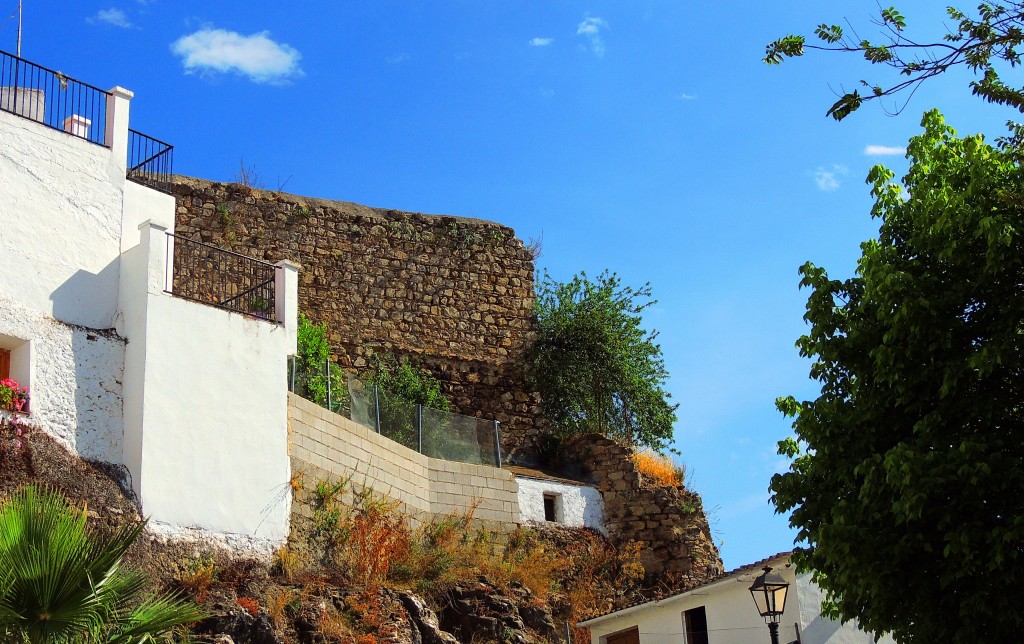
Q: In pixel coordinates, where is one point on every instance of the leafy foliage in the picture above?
(984, 43)
(404, 379)
(595, 366)
(909, 466)
(400, 386)
(59, 583)
(313, 363)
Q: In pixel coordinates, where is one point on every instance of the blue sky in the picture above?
(643, 137)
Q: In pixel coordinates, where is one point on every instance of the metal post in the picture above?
(497, 446)
(19, 32)
(376, 406)
(568, 633)
(327, 373)
(294, 360)
(773, 628)
(419, 428)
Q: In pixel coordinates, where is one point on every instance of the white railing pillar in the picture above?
(116, 136)
(286, 300)
(154, 243)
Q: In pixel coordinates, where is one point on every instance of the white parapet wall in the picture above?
(206, 404)
(573, 504)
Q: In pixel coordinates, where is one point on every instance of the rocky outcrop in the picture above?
(679, 550)
(481, 611)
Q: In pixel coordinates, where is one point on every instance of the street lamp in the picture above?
(769, 593)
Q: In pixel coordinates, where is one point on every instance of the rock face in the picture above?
(479, 611)
(679, 551)
(454, 293)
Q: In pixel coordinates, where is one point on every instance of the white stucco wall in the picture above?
(75, 377)
(206, 407)
(61, 222)
(191, 398)
(732, 617)
(815, 628)
(577, 505)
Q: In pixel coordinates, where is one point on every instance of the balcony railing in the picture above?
(210, 275)
(150, 161)
(52, 99)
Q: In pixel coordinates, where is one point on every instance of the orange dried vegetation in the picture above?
(659, 468)
(250, 605)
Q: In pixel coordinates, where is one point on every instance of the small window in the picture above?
(695, 621)
(5, 363)
(551, 507)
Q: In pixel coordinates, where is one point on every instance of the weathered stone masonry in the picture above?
(679, 549)
(455, 294)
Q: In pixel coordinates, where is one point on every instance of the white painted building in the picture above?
(550, 500)
(191, 398)
(723, 612)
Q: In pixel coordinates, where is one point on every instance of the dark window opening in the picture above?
(5, 364)
(549, 507)
(695, 621)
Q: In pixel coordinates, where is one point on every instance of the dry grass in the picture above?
(375, 537)
(290, 564)
(277, 600)
(196, 579)
(334, 627)
(659, 468)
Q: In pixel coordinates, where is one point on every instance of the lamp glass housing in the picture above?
(769, 591)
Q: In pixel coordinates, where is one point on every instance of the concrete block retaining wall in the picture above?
(326, 446)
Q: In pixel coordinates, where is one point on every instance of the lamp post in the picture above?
(769, 593)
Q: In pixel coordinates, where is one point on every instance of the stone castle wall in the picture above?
(454, 294)
(679, 551)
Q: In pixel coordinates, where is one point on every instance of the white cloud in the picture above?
(828, 178)
(257, 56)
(687, 97)
(884, 150)
(590, 29)
(112, 16)
(397, 59)
(541, 42)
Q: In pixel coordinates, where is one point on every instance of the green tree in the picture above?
(313, 363)
(906, 488)
(60, 583)
(984, 43)
(595, 366)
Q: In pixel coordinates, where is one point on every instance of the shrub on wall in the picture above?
(595, 366)
(312, 365)
(401, 386)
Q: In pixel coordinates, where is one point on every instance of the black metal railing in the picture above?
(150, 161)
(52, 99)
(210, 275)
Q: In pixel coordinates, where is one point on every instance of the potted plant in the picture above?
(13, 397)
